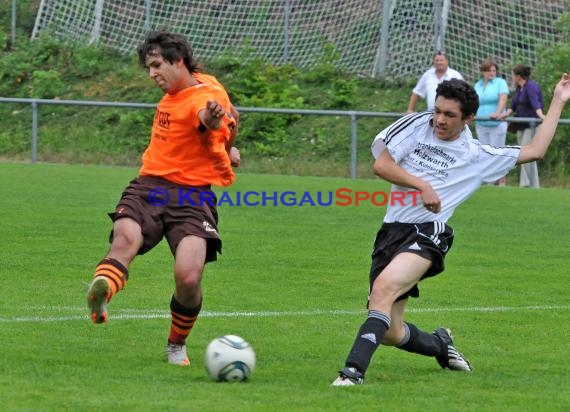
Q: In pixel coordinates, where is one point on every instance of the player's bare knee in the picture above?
(188, 279)
(127, 236)
(126, 243)
(383, 295)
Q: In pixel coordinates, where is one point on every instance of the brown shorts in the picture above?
(163, 208)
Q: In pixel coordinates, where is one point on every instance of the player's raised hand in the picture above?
(215, 109)
(212, 114)
(562, 89)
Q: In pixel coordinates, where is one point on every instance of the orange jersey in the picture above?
(181, 150)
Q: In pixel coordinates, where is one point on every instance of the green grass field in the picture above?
(293, 282)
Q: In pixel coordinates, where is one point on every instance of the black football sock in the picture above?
(423, 343)
(370, 336)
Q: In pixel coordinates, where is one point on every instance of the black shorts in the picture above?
(430, 240)
(166, 209)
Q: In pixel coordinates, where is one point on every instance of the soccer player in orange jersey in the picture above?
(190, 149)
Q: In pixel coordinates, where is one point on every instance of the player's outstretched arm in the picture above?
(539, 144)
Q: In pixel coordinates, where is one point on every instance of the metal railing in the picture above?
(353, 115)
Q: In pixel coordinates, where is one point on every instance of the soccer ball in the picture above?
(229, 358)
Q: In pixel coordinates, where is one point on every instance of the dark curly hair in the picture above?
(172, 47)
(461, 91)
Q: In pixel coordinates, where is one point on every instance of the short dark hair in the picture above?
(440, 53)
(522, 70)
(463, 92)
(172, 47)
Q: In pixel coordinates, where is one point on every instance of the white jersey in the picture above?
(454, 169)
(427, 85)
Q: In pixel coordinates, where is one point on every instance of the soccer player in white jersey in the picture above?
(433, 153)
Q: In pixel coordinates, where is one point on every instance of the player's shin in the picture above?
(369, 337)
(418, 341)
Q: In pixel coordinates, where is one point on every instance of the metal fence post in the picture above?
(353, 146)
(147, 15)
(13, 28)
(382, 52)
(34, 131)
(286, 31)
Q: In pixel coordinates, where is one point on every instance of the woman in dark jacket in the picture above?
(526, 102)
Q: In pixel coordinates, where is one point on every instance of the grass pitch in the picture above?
(293, 282)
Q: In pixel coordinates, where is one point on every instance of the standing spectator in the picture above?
(426, 86)
(493, 92)
(526, 102)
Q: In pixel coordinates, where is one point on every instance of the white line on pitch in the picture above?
(124, 314)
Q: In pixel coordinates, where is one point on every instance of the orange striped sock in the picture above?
(182, 321)
(115, 273)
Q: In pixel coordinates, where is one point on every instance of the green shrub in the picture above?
(46, 84)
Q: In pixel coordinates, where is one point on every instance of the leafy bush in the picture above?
(46, 84)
